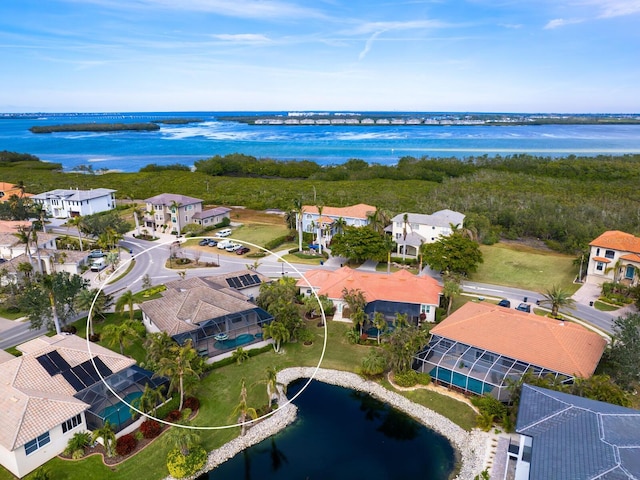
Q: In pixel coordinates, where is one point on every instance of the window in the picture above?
(71, 423)
(36, 443)
(609, 254)
(599, 266)
(425, 308)
(597, 252)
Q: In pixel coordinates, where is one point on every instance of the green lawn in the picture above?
(10, 315)
(219, 393)
(259, 233)
(525, 267)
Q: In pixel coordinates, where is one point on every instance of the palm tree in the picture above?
(149, 400)
(181, 366)
(557, 298)
(356, 301)
(108, 437)
(24, 236)
(243, 410)
(137, 215)
(240, 355)
(34, 238)
(121, 334)
(279, 332)
(77, 222)
(378, 220)
(182, 438)
(450, 290)
(157, 346)
(405, 223)
(272, 383)
(128, 299)
(298, 208)
(320, 209)
(48, 284)
(85, 300)
(175, 209)
(380, 323)
(339, 225)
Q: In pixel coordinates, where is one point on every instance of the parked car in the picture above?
(524, 307)
(212, 243)
(242, 250)
(99, 264)
(504, 303)
(222, 244)
(224, 233)
(232, 247)
(96, 254)
(203, 242)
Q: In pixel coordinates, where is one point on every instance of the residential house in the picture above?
(419, 228)
(171, 211)
(481, 347)
(55, 389)
(400, 292)
(614, 257)
(353, 216)
(564, 436)
(7, 190)
(211, 217)
(67, 203)
(209, 311)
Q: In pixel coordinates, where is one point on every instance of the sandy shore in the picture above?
(472, 446)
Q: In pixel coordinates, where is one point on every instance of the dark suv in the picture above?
(504, 303)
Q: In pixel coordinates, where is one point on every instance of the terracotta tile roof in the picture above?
(400, 286)
(631, 257)
(10, 189)
(360, 210)
(563, 347)
(602, 259)
(33, 402)
(188, 302)
(617, 240)
(12, 226)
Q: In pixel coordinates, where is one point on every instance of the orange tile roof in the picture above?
(631, 257)
(563, 347)
(602, 259)
(360, 210)
(400, 286)
(11, 189)
(617, 240)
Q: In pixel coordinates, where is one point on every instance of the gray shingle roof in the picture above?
(441, 218)
(168, 198)
(578, 438)
(74, 195)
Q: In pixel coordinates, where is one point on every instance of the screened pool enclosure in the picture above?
(475, 370)
(105, 406)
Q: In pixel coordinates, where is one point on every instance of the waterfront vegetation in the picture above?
(565, 202)
(94, 127)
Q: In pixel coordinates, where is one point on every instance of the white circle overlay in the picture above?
(124, 265)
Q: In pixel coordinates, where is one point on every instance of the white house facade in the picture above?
(334, 218)
(211, 217)
(614, 257)
(63, 203)
(410, 230)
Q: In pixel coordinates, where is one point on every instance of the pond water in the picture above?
(343, 434)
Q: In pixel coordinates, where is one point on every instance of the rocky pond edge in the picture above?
(470, 446)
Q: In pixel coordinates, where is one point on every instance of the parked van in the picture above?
(223, 244)
(99, 264)
(224, 233)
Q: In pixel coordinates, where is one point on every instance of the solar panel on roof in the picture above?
(102, 368)
(256, 279)
(58, 361)
(47, 364)
(246, 280)
(229, 282)
(82, 375)
(237, 283)
(87, 366)
(73, 380)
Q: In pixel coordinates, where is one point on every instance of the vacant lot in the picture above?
(526, 267)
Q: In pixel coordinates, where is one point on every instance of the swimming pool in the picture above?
(236, 342)
(120, 412)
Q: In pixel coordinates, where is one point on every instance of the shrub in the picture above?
(173, 416)
(150, 429)
(192, 403)
(406, 379)
(126, 444)
(69, 329)
(76, 444)
(276, 242)
(181, 466)
(424, 378)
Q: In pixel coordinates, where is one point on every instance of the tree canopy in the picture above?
(359, 244)
(454, 254)
(623, 354)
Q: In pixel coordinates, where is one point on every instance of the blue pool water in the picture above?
(120, 412)
(343, 434)
(459, 380)
(240, 340)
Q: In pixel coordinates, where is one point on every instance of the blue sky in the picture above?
(402, 55)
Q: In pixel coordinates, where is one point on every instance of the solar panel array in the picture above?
(243, 281)
(79, 377)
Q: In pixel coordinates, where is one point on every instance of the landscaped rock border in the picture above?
(471, 446)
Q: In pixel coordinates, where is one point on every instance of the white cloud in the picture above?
(618, 8)
(368, 45)
(561, 22)
(373, 27)
(243, 38)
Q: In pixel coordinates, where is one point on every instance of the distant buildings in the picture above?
(63, 203)
(7, 190)
(614, 257)
(171, 211)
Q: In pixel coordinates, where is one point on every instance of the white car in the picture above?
(224, 233)
(223, 244)
(233, 247)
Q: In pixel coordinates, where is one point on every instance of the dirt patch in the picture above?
(528, 244)
(245, 215)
